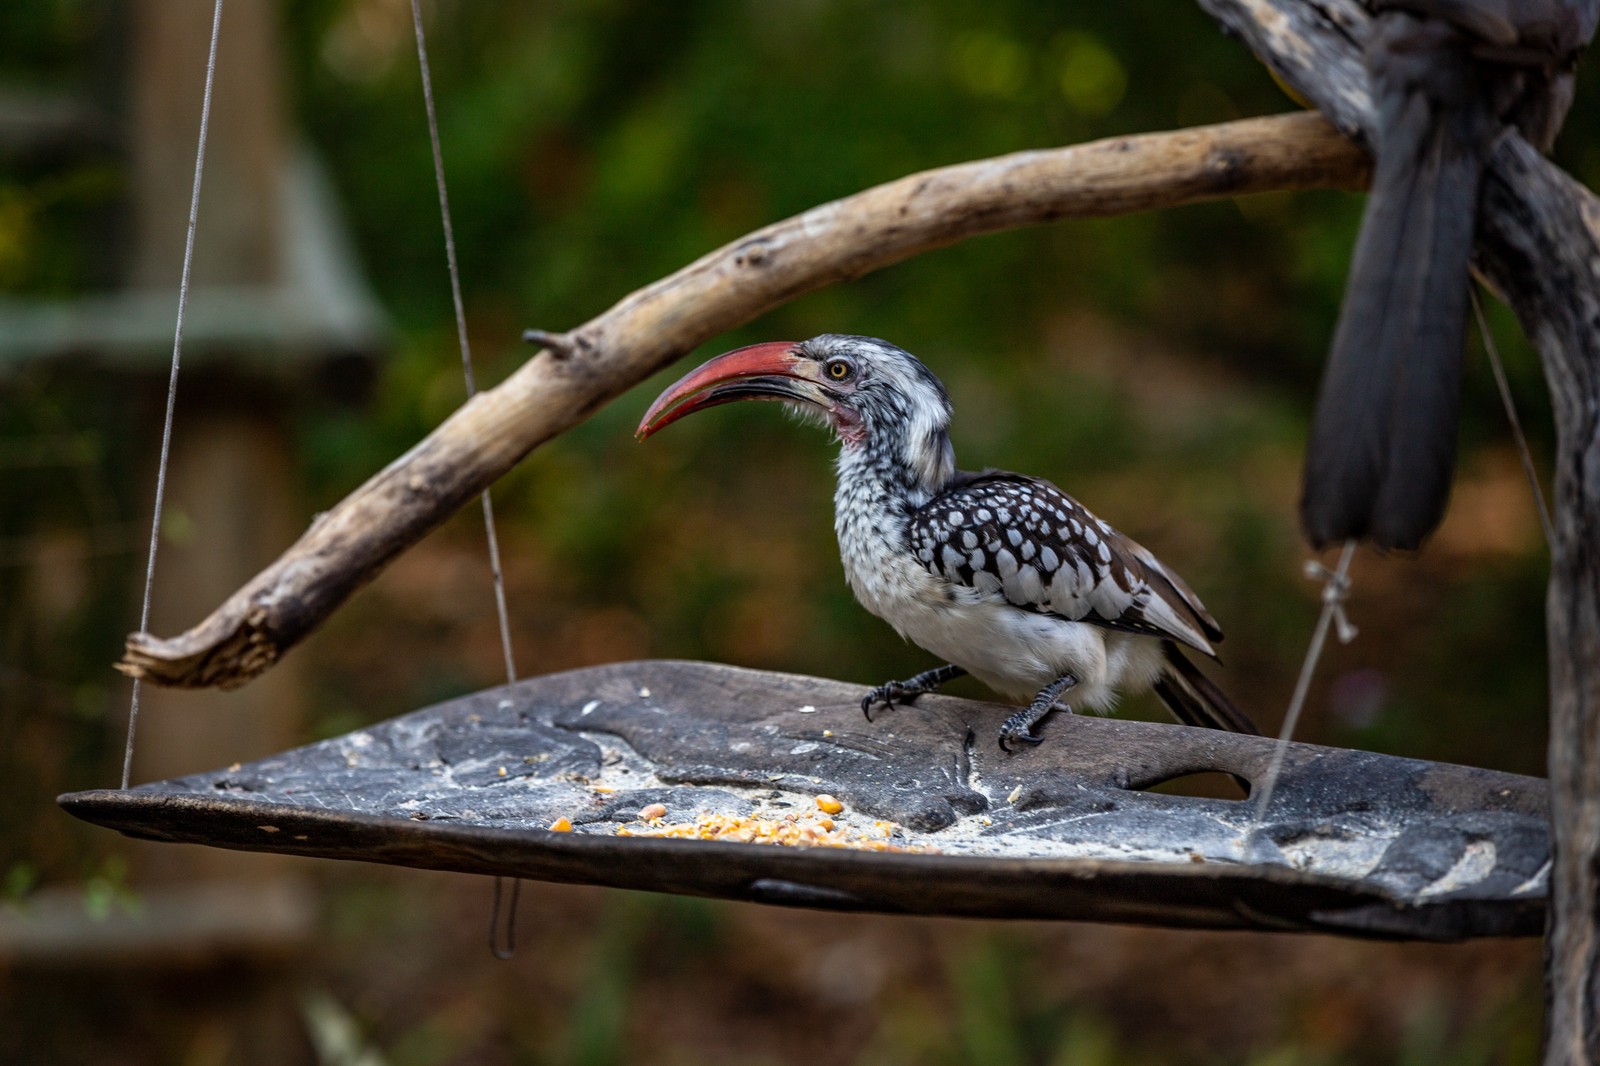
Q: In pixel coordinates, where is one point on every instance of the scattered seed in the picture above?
(1016, 792)
(652, 812)
(829, 804)
(790, 832)
(561, 825)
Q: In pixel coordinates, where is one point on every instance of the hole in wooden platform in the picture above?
(1207, 784)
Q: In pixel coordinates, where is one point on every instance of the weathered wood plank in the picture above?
(1354, 843)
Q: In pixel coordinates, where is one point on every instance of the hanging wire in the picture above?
(1335, 590)
(461, 330)
(172, 381)
(504, 916)
(1516, 423)
(507, 948)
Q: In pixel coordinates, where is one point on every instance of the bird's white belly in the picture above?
(1014, 651)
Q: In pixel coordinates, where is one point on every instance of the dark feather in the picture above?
(1382, 447)
(1194, 699)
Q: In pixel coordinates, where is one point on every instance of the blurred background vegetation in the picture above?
(1158, 366)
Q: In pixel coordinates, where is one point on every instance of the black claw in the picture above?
(885, 694)
(1026, 738)
(891, 692)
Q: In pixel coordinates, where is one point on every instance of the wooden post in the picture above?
(1539, 245)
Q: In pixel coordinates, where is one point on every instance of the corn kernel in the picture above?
(652, 812)
(829, 804)
(561, 825)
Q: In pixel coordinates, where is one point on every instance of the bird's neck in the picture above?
(878, 493)
(896, 475)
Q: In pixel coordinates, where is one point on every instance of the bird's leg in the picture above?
(905, 691)
(1020, 725)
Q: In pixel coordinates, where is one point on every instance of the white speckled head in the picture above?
(900, 407)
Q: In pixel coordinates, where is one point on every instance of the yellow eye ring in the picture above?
(838, 370)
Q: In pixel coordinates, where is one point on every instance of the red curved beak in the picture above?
(769, 371)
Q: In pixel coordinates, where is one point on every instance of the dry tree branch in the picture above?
(581, 370)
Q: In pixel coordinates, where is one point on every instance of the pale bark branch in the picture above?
(581, 370)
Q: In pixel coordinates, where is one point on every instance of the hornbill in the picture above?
(1447, 77)
(1004, 577)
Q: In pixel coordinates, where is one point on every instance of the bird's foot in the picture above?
(1018, 729)
(893, 692)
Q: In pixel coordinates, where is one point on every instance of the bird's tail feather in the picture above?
(1194, 698)
(1382, 448)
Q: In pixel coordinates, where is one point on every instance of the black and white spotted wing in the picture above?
(1046, 552)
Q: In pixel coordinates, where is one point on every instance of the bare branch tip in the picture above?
(560, 345)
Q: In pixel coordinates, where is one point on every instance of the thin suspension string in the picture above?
(506, 948)
(461, 329)
(1516, 423)
(506, 916)
(1335, 589)
(172, 380)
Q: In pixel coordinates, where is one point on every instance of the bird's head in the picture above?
(874, 395)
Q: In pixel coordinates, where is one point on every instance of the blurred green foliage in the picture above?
(1159, 366)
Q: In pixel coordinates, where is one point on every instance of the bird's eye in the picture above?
(839, 370)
